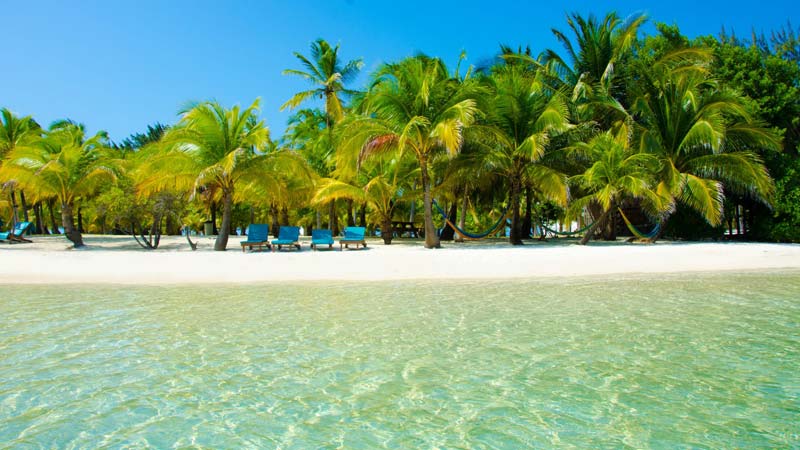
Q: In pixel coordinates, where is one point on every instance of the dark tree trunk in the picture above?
(276, 226)
(527, 220)
(362, 215)
(413, 205)
(351, 221)
(595, 226)
(386, 224)
(37, 212)
(333, 221)
(14, 216)
(24, 206)
(252, 220)
(227, 208)
(318, 218)
(214, 229)
(431, 238)
(80, 220)
(514, 237)
(449, 233)
(52, 207)
(285, 216)
(69, 226)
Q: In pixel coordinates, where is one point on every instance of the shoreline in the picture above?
(118, 260)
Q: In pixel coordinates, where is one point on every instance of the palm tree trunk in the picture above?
(214, 218)
(527, 220)
(333, 221)
(285, 216)
(24, 205)
(222, 237)
(362, 215)
(14, 217)
(276, 226)
(351, 218)
(52, 207)
(462, 219)
(513, 237)
(69, 226)
(590, 232)
(386, 224)
(319, 220)
(37, 212)
(413, 204)
(431, 238)
(80, 220)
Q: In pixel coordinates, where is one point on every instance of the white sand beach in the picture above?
(119, 260)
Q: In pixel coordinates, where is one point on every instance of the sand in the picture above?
(119, 260)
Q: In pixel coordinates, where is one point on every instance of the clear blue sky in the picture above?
(121, 65)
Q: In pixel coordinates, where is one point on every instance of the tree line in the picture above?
(697, 137)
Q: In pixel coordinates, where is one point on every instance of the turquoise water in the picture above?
(660, 361)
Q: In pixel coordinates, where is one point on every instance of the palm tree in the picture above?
(16, 132)
(598, 49)
(524, 115)
(617, 173)
(211, 148)
(64, 164)
(381, 186)
(702, 133)
(415, 106)
(326, 71)
(329, 75)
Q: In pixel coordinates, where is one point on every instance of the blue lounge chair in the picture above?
(289, 236)
(354, 236)
(321, 237)
(257, 236)
(17, 234)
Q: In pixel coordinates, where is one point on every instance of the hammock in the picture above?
(467, 235)
(567, 233)
(638, 233)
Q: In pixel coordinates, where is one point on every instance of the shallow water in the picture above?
(658, 361)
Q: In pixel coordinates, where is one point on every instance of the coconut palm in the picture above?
(524, 115)
(16, 131)
(65, 164)
(329, 75)
(415, 106)
(327, 72)
(211, 148)
(702, 133)
(617, 173)
(381, 186)
(597, 50)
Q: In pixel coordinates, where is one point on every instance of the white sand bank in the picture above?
(117, 259)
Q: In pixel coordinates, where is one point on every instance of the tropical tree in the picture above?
(16, 132)
(524, 115)
(415, 106)
(329, 75)
(617, 173)
(382, 184)
(219, 152)
(702, 133)
(65, 164)
(594, 56)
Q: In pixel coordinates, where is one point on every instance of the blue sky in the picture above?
(121, 65)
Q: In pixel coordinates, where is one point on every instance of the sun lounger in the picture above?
(17, 234)
(352, 236)
(257, 236)
(289, 236)
(321, 237)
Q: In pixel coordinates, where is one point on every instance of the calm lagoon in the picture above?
(642, 361)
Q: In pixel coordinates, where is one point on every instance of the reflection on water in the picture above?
(710, 360)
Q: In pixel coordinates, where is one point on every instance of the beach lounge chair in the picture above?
(289, 236)
(17, 234)
(257, 236)
(321, 237)
(354, 236)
